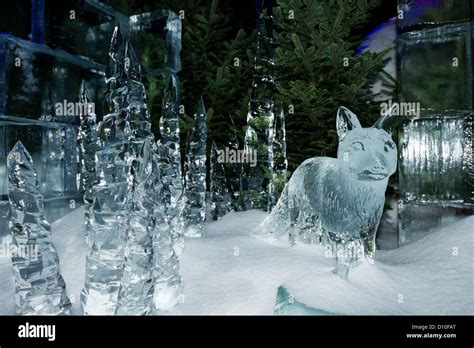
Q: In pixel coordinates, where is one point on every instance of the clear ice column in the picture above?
(170, 163)
(234, 170)
(111, 195)
(220, 202)
(195, 191)
(135, 297)
(88, 147)
(259, 132)
(167, 282)
(39, 287)
(280, 161)
(168, 236)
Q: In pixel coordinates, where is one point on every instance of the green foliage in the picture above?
(210, 46)
(311, 74)
(210, 53)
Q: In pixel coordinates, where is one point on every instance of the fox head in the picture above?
(368, 153)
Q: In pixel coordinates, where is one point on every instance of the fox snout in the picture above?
(376, 172)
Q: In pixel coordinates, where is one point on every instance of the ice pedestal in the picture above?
(287, 305)
(40, 288)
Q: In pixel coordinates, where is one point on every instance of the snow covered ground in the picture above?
(230, 272)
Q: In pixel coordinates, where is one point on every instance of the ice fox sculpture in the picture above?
(338, 202)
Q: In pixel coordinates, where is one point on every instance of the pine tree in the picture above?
(318, 70)
(216, 60)
(216, 63)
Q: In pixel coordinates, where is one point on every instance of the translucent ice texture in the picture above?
(150, 280)
(220, 203)
(338, 202)
(167, 243)
(111, 194)
(422, 12)
(442, 83)
(35, 78)
(53, 149)
(136, 286)
(165, 26)
(4, 218)
(259, 133)
(40, 288)
(88, 137)
(234, 170)
(170, 163)
(434, 160)
(280, 161)
(132, 267)
(195, 192)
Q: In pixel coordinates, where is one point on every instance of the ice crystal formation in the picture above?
(220, 203)
(259, 132)
(195, 192)
(39, 287)
(88, 147)
(111, 194)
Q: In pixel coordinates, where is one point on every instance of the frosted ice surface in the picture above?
(338, 202)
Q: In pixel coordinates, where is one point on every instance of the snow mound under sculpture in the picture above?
(338, 202)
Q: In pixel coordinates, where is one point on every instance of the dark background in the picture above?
(15, 16)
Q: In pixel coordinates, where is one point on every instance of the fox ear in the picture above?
(346, 121)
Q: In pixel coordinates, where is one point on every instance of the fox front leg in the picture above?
(369, 244)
